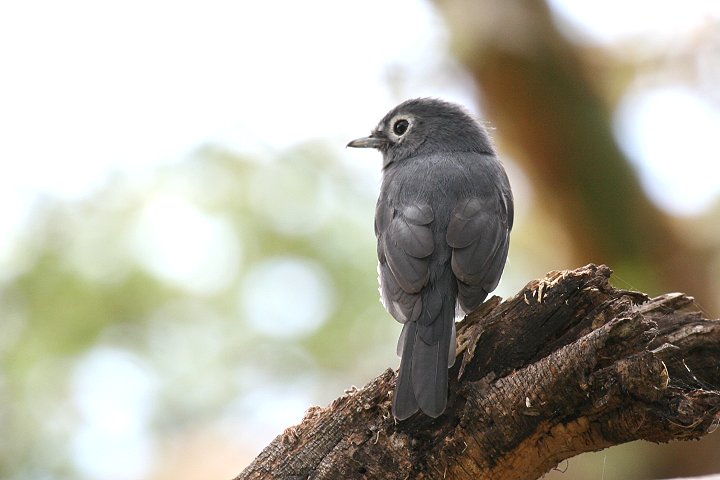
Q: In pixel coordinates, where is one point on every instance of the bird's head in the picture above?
(425, 126)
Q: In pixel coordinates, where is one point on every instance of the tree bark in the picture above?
(568, 365)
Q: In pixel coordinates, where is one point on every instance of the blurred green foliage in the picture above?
(86, 276)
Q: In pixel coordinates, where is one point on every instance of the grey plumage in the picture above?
(443, 221)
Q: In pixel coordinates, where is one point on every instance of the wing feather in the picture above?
(405, 242)
(478, 232)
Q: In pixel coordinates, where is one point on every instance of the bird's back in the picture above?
(436, 185)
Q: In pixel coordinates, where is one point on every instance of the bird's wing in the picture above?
(405, 242)
(478, 232)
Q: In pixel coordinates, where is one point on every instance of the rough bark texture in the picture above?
(568, 365)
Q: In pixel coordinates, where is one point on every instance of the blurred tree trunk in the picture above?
(540, 95)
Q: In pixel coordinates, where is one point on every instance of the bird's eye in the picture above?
(401, 127)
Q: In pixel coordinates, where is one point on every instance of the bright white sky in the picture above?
(91, 88)
(88, 87)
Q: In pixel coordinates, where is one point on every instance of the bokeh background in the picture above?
(187, 257)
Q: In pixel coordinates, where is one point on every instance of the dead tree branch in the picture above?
(568, 365)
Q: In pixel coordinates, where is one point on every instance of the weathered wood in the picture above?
(568, 365)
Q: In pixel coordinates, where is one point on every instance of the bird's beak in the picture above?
(367, 142)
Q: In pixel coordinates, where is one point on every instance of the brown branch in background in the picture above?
(568, 365)
(538, 90)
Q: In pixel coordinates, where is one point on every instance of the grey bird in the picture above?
(442, 221)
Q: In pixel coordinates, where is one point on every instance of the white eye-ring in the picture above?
(401, 125)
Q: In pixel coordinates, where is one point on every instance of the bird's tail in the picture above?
(427, 350)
